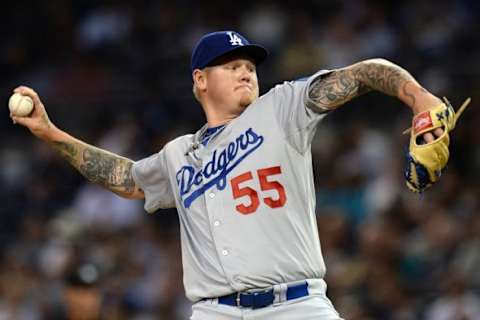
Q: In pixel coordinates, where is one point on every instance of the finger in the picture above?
(38, 107)
(438, 132)
(428, 137)
(27, 91)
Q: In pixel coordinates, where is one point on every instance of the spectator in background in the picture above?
(82, 296)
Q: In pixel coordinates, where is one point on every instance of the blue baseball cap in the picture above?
(217, 44)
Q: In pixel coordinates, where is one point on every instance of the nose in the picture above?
(245, 74)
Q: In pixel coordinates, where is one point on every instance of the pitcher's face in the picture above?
(233, 82)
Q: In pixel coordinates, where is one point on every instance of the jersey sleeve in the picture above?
(295, 113)
(151, 175)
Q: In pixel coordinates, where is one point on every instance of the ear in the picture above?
(200, 80)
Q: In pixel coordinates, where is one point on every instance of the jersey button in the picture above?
(225, 252)
(211, 195)
(216, 223)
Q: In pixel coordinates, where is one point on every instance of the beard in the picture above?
(246, 99)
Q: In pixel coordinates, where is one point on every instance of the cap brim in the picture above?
(254, 51)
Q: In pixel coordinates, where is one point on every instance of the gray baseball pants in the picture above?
(315, 306)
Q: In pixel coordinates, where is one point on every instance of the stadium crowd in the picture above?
(116, 74)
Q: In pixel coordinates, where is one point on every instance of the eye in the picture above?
(250, 67)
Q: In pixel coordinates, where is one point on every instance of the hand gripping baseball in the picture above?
(38, 121)
(425, 161)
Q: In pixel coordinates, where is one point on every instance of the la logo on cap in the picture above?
(234, 39)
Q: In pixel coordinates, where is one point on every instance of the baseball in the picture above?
(20, 105)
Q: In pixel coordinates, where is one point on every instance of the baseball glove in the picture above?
(425, 161)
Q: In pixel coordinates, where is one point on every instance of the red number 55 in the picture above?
(265, 185)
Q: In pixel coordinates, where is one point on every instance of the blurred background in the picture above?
(116, 74)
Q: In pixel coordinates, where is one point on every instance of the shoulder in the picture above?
(301, 81)
(181, 139)
(179, 143)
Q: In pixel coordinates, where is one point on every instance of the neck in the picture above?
(219, 116)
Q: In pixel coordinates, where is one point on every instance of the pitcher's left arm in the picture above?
(342, 85)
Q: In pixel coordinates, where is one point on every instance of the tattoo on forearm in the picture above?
(408, 94)
(109, 170)
(387, 78)
(67, 150)
(99, 166)
(345, 84)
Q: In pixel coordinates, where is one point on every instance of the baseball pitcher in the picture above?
(243, 183)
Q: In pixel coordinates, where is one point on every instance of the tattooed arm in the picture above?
(99, 166)
(342, 85)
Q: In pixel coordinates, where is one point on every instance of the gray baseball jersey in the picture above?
(246, 200)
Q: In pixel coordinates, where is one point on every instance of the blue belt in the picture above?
(262, 299)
